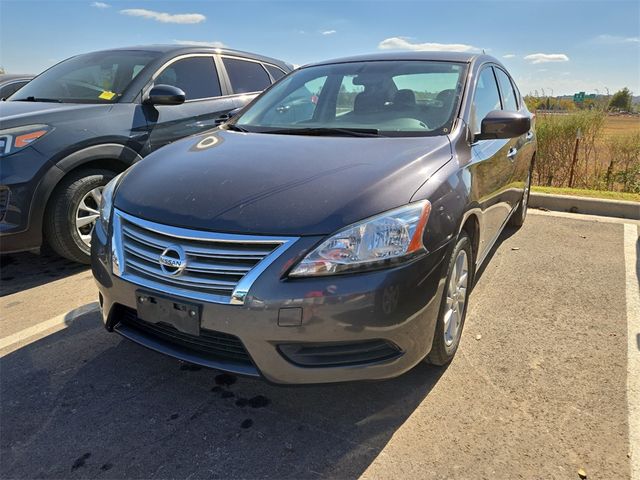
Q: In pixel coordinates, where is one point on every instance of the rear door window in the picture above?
(196, 76)
(246, 76)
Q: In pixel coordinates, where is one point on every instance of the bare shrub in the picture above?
(556, 165)
(624, 163)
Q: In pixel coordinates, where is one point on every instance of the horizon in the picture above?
(558, 48)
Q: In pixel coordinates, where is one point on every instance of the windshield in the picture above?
(390, 98)
(99, 77)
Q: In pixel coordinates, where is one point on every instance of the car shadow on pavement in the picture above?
(85, 403)
(504, 235)
(21, 271)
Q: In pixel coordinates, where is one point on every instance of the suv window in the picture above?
(11, 88)
(196, 76)
(509, 101)
(486, 98)
(298, 106)
(246, 76)
(275, 72)
(100, 77)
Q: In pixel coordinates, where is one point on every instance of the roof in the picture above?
(4, 77)
(462, 57)
(185, 49)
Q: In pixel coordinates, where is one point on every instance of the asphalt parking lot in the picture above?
(539, 388)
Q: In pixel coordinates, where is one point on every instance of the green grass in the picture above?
(579, 192)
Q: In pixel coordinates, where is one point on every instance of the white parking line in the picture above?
(633, 346)
(58, 323)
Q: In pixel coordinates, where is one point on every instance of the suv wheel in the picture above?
(453, 308)
(72, 213)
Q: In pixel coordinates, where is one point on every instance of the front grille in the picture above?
(209, 344)
(216, 264)
(4, 202)
(339, 354)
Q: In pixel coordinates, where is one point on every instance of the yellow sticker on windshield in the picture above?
(106, 95)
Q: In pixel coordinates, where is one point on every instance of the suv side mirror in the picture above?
(164, 95)
(503, 124)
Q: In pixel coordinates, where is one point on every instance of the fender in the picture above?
(120, 155)
(105, 151)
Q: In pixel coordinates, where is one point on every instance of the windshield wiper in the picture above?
(38, 99)
(234, 127)
(349, 132)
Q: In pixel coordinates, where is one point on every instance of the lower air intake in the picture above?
(339, 354)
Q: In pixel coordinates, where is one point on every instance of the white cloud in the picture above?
(197, 43)
(615, 39)
(402, 43)
(546, 57)
(100, 5)
(509, 55)
(328, 32)
(161, 17)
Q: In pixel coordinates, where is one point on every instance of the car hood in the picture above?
(16, 114)
(274, 184)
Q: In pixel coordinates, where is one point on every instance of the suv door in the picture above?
(492, 166)
(205, 104)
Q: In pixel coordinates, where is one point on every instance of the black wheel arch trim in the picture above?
(105, 151)
(108, 151)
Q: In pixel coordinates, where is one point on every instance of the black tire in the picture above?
(441, 353)
(518, 217)
(59, 220)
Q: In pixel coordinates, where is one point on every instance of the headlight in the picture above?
(106, 202)
(384, 240)
(15, 139)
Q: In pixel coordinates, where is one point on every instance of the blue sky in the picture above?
(559, 46)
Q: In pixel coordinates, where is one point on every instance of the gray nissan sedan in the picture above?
(330, 231)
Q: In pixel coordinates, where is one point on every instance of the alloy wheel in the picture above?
(87, 214)
(456, 299)
(525, 196)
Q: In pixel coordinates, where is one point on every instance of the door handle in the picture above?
(512, 153)
(529, 135)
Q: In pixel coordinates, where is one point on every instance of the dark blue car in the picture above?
(70, 130)
(330, 231)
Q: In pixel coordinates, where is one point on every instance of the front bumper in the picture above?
(392, 312)
(23, 176)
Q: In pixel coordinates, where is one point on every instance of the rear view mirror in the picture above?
(503, 124)
(165, 95)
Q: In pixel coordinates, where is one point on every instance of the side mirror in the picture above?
(503, 124)
(164, 95)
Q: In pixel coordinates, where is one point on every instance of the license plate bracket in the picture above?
(183, 316)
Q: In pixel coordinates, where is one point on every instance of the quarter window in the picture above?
(196, 76)
(275, 72)
(246, 76)
(486, 99)
(509, 101)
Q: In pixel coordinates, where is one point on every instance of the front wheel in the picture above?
(453, 308)
(73, 212)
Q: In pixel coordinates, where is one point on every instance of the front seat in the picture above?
(404, 98)
(366, 102)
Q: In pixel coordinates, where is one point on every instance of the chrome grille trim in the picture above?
(221, 267)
